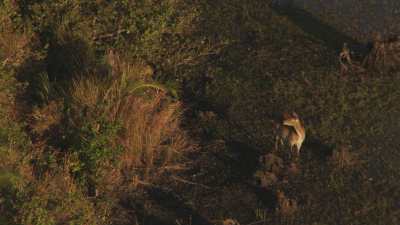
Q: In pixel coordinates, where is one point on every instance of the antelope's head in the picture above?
(291, 119)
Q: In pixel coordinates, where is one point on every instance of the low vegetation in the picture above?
(162, 112)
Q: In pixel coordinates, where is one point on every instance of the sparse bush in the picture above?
(57, 199)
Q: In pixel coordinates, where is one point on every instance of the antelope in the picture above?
(291, 131)
(345, 59)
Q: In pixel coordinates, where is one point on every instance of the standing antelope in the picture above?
(345, 59)
(291, 131)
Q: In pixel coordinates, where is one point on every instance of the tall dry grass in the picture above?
(15, 45)
(14, 50)
(151, 136)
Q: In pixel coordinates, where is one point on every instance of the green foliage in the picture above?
(37, 213)
(9, 183)
(94, 146)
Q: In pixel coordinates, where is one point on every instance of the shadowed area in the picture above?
(329, 35)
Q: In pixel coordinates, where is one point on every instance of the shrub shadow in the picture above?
(330, 36)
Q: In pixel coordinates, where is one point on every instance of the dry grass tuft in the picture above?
(45, 118)
(266, 179)
(342, 158)
(88, 92)
(286, 207)
(273, 163)
(272, 169)
(230, 222)
(14, 162)
(14, 46)
(139, 69)
(151, 136)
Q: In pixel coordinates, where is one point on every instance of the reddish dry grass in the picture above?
(45, 117)
(286, 207)
(151, 135)
(342, 158)
(153, 138)
(14, 46)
